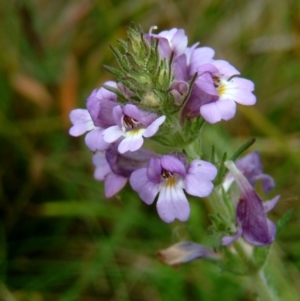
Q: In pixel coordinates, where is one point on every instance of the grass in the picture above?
(60, 239)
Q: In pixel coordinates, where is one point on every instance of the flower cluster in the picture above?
(164, 91)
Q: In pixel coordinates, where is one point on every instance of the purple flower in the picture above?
(185, 66)
(251, 215)
(133, 124)
(183, 252)
(250, 166)
(95, 119)
(170, 41)
(115, 169)
(223, 90)
(168, 176)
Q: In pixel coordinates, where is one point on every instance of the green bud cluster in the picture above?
(144, 73)
(152, 86)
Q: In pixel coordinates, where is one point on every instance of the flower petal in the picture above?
(269, 205)
(172, 203)
(154, 126)
(94, 140)
(82, 122)
(234, 90)
(132, 141)
(204, 170)
(210, 112)
(112, 134)
(227, 108)
(172, 164)
(227, 240)
(225, 68)
(113, 184)
(140, 183)
(101, 166)
(193, 186)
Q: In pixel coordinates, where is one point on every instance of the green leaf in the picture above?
(121, 58)
(118, 74)
(260, 255)
(244, 147)
(284, 220)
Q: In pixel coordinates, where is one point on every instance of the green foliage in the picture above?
(60, 239)
(260, 255)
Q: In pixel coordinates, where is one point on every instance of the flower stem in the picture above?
(265, 292)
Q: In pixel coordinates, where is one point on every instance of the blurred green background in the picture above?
(60, 239)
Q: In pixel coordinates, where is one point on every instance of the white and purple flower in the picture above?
(171, 42)
(168, 176)
(95, 119)
(131, 124)
(114, 168)
(217, 90)
(251, 213)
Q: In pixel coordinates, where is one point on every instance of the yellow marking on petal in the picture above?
(135, 132)
(170, 182)
(222, 88)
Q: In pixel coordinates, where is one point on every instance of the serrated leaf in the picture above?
(124, 44)
(117, 73)
(121, 58)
